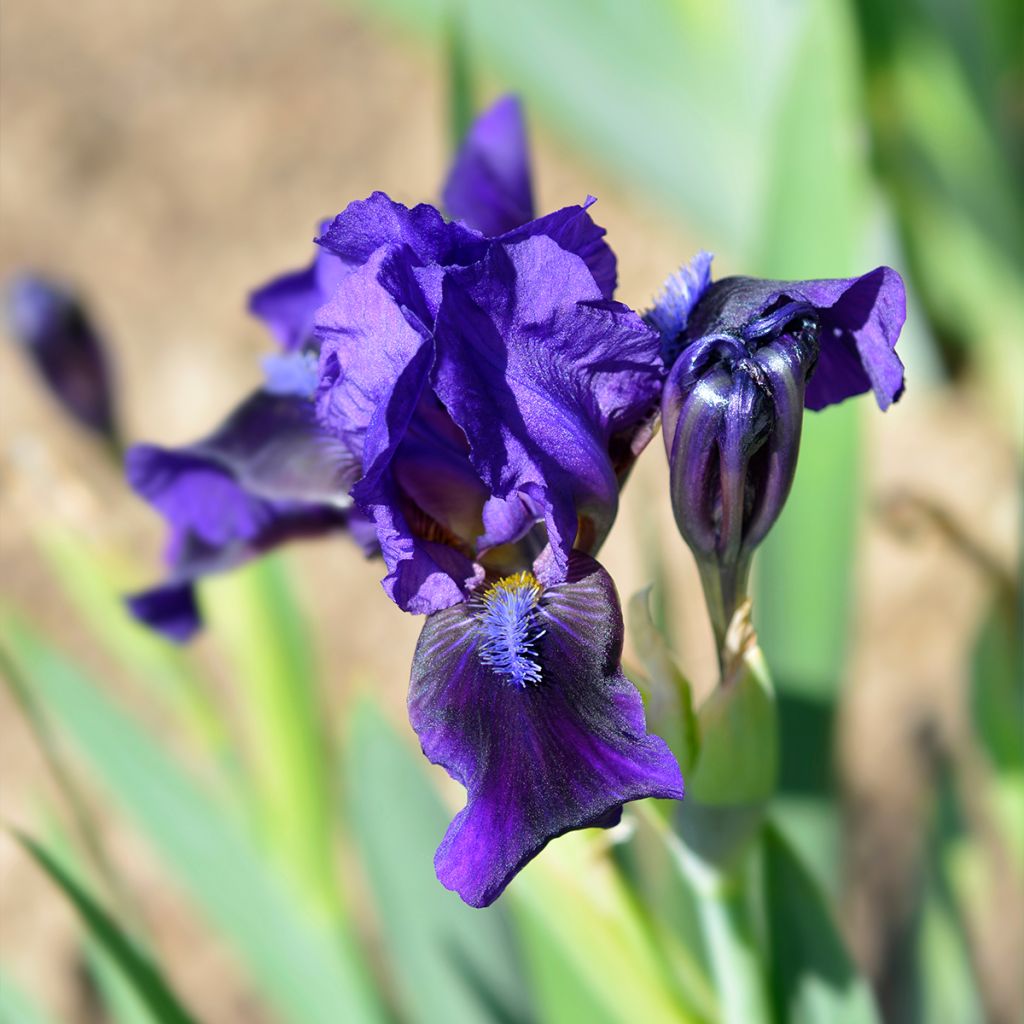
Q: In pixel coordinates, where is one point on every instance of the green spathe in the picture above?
(739, 755)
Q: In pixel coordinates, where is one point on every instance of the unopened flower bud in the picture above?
(732, 409)
(57, 335)
(746, 357)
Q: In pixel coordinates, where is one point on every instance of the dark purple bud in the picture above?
(732, 410)
(56, 333)
(746, 357)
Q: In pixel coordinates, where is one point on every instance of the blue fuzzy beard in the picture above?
(509, 623)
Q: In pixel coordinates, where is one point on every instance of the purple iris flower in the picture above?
(57, 334)
(495, 396)
(267, 475)
(747, 356)
(479, 400)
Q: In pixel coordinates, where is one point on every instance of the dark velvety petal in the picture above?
(367, 224)
(539, 372)
(489, 186)
(861, 320)
(287, 304)
(60, 339)
(169, 609)
(573, 230)
(556, 746)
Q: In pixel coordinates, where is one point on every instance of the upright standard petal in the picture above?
(374, 366)
(489, 185)
(540, 373)
(574, 230)
(366, 225)
(519, 695)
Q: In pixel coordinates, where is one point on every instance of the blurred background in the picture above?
(164, 159)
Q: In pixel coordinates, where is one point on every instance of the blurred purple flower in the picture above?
(267, 475)
(60, 339)
(746, 356)
(489, 186)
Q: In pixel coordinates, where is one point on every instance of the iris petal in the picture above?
(267, 475)
(540, 372)
(540, 753)
(489, 186)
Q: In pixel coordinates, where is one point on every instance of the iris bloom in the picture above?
(61, 341)
(746, 357)
(480, 398)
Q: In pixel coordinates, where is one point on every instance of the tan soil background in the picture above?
(165, 158)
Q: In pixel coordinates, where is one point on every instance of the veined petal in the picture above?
(520, 697)
(573, 229)
(540, 372)
(489, 186)
(366, 225)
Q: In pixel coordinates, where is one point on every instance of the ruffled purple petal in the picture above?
(547, 737)
(489, 185)
(540, 372)
(367, 224)
(573, 230)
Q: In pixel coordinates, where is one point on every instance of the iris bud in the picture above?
(732, 409)
(57, 335)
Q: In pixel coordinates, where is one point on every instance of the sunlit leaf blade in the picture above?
(587, 942)
(664, 886)
(709, 910)
(254, 613)
(812, 976)
(143, 975)
(310, 972)
(449, 962)
(95, 585)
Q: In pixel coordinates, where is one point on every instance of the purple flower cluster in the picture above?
(466, 397)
